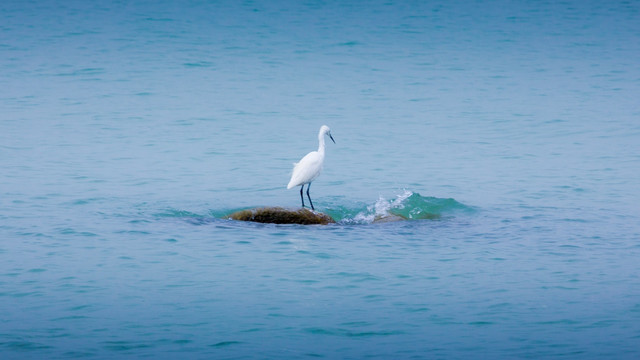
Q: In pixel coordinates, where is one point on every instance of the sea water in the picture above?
(507, 132)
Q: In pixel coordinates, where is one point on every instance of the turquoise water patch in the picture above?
(407, 205)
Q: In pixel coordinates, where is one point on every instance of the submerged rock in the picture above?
(278, 215)
(388, 218)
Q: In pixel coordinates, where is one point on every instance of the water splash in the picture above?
(406, 206)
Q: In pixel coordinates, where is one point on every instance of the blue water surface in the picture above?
(508, 133)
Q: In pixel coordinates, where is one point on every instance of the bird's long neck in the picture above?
(321, 143)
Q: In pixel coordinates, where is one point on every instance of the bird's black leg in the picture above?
(302, 197)
(309, 196)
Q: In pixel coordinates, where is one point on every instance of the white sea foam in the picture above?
(382, 208)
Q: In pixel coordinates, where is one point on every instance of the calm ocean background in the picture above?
(129, 129)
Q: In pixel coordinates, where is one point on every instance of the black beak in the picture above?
(331, 137)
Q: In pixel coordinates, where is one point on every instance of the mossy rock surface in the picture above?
(279, 215)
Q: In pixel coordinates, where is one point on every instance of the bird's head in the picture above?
(324, 130)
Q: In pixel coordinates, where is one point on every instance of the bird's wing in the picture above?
(306, 170)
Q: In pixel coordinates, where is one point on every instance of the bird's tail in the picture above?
(291, 182)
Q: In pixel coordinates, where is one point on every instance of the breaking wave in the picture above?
(407, 206)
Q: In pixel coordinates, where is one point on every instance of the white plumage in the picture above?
(310, 166)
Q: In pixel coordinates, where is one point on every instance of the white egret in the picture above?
(310, 166)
